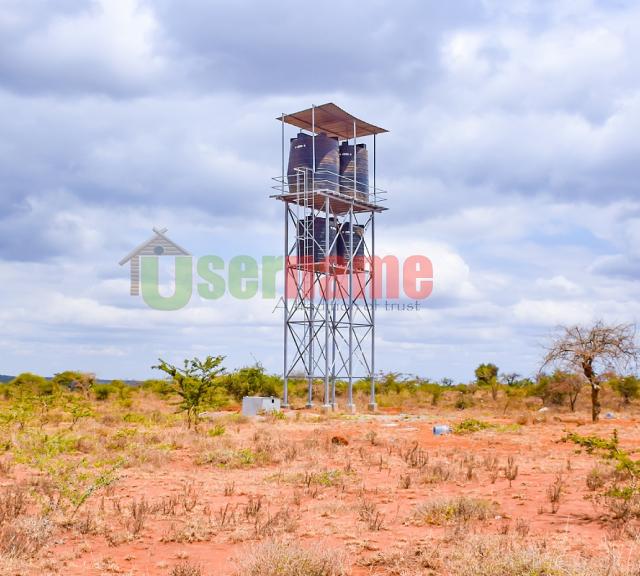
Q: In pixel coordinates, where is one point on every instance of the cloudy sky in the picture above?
(512, 162)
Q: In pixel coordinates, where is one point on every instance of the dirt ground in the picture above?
(357, 484)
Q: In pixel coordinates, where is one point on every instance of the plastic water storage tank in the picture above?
(358, 170)
(344, 245)
(327, 163)
(312, 234)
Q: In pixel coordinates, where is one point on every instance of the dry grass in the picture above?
(482, 555)
(492, 556)
(369, 514)
(25, 536)
(554, 492)
(447, 511)
(511, 470)
(287, 558)
(13, 502)
(597, 477)
(436, 472)
(186, 569)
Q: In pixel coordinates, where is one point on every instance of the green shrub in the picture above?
(434, 390)
(71, 380)
(593, 443)
(628, 388)
(193, 382)
(67, 379)
(463, 402)
(35, 384)
(471, 425)
(134, 418)
(487, 377)
(217, 430)
(240, 458)
(251, 381)
(122, 389)
(103, 391)
(162, 388)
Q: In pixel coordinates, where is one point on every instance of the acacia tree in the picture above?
(193, 382)
(592, 350)
(487, 375)
(510, 378)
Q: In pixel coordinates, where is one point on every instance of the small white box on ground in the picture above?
(254, 405)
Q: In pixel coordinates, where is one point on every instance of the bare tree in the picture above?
(594, 349)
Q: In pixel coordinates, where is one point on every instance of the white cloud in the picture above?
(511, 163)
(559, 284)
(107, 43)
(553, 313)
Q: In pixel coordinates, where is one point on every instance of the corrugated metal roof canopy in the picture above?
(333, 120)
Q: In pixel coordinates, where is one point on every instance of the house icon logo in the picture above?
(158, 245)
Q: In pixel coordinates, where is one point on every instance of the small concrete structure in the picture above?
(254, 405)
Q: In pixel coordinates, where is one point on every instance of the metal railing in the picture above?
(306, 182)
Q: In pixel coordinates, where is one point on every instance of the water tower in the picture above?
(328, 187)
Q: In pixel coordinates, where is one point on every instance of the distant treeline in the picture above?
(226, 389)
(6, 378)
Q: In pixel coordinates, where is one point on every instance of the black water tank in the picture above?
(358, 170)
(312, 234)
(327, 162)
(344, 244)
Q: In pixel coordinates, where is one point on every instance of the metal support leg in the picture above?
(285, 378)
(327, 244)
(372, 398)
(285, 374)
(351, 407)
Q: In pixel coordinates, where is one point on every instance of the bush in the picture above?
(217, 430)
(435, 390)
(67, 379)
(103, 391)
(162, 388)
(251, 381)
(390, 383)
(628, 388)
(547, 388)
(463, 402)
(72, 380)
(471, 425)
(37, 385)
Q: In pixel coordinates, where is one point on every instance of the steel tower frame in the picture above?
(329, 306)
